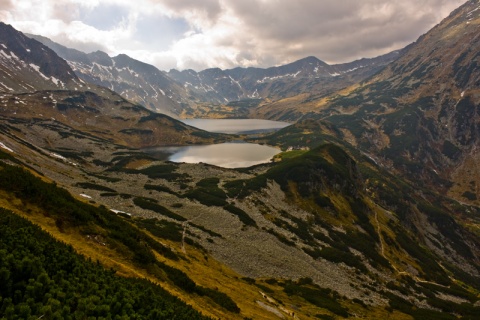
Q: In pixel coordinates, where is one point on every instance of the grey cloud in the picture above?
(260, 33)
(6, 4)
(210, 8)
(86, 47)
(65, 11)
(5, 7)
(336, 31)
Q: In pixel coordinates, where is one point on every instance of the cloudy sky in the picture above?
(199, 34)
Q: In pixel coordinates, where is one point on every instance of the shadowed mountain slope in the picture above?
(421, 114)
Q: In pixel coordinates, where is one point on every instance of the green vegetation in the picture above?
(469, 195)
(162, 171)
(134, 131)
(105, 178)
(320, 297)
(7, 156)
(245, 103)
(42, 277)
(336, 255)
(242, 215)
(151, 204)
(243, 188)
(72, 154)
(305, 133)
(165, 171)
(71, 213)
(208, 193)
(290, 154)
(94, 186)
(120, 235)
(181, 279)
(432, 270)
(162, 228)
(313, 166)
(219, 298)
(159, 188)
(210, 232)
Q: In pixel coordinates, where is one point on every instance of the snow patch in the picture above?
(5, 86)
(471, 12)
(291, 75)
(55, 155)
(119, 211)
(58, 82)
(37, 68)
(255, 94)
(3, 146)
(3, 53)
(85, 196)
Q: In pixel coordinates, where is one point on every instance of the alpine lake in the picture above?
(236, 154)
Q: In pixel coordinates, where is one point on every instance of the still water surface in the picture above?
(237, 154)
(228, 155)
(236, 126)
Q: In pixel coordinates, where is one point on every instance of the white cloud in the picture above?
(229, 33)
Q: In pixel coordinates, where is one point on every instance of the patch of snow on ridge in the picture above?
(119, 211)
(3, 146)
(37, 68)
(265, 79)
(55, 155)
(5, 86)
(3, 53)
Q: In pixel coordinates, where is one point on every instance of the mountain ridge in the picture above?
(179, 93)
(134, 80)
(223, 86)
(419, 115)
(26, 63)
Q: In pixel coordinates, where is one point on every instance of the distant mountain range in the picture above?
(308, 74)
(177, 92)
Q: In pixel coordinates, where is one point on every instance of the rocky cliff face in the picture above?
(27, 65)
(134, 80)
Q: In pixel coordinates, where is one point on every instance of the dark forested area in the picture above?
(43, 278)
(23, 262)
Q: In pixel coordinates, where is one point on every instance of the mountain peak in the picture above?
(28, 65)
(310, 59)
(100, 57)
